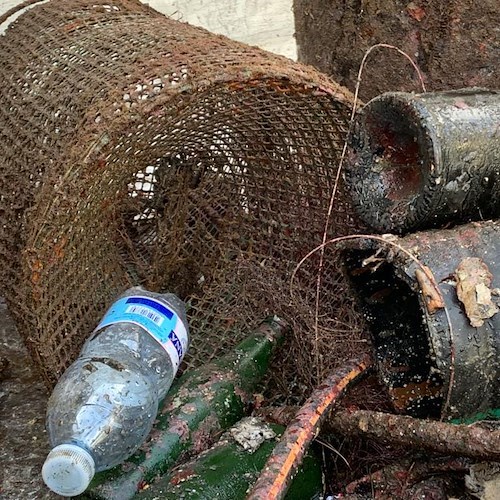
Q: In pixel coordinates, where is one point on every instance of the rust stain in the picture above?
(68, 28)
(403, 396)
(36, 267)
(59, 249)
(142, 485)
(416, 11)
(460, 104)
(430, 289)
(243, 395)
(179, 427)
(189, 408)
(203, 437)
(181, 476)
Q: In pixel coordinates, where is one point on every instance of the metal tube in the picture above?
(419, 160)
(432, 303)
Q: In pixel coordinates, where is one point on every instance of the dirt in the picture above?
(454, 42)
(23, 400)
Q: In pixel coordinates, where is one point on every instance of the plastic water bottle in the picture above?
(205, 401)
(104, 405)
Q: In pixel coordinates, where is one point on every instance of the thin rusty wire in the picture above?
(339, 172)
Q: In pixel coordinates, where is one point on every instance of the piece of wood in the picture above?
(462, 440)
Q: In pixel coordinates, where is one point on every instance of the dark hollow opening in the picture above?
(396, 150)
(402, 350)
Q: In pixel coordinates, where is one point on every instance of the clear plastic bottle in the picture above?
(104, 405)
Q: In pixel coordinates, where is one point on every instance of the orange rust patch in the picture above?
(430, 290)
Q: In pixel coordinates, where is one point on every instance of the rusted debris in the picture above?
(474, 290)
(407, 394)
(287, 456)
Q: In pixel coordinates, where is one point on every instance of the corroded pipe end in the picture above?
(432, 305)
(418, 160)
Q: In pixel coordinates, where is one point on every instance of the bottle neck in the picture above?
(250, 359)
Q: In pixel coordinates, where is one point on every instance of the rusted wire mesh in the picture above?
(139, 150)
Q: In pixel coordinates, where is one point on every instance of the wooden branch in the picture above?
(461, 440)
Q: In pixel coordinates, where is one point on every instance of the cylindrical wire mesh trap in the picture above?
(139, 150)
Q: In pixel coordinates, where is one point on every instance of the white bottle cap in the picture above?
(68, 470)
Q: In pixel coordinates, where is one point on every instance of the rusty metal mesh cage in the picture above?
(139, 150)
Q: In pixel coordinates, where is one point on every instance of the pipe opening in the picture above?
(402, 349)
(395, 147)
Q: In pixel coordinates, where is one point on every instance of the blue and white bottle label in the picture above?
(159, 320)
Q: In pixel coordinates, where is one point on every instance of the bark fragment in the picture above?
(474, 290)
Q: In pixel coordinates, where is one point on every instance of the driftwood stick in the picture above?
(462, 440)
(470, 441)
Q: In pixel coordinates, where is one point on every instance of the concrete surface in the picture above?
(23, 400)
(267, 24)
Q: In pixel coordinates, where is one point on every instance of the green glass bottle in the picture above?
(229, 469)
(200, 405)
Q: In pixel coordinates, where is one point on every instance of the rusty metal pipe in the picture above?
(434, 317)
(416, 161)
(288, 454)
